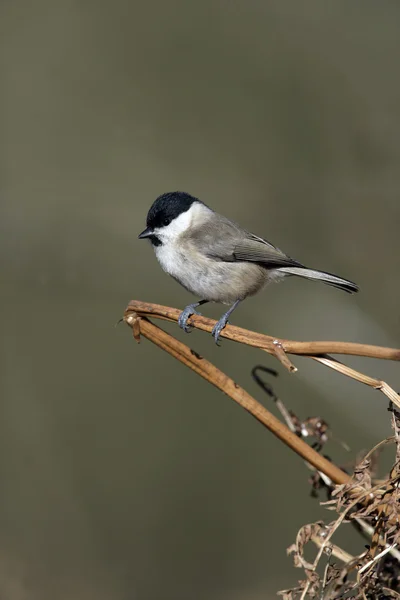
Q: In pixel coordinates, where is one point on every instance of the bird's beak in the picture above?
(148, 232)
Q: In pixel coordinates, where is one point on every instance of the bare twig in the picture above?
(376, 558)
(280, 354)
(265, 342)
(281, 347)
(203, 367)
(335, 550)
(355, 496)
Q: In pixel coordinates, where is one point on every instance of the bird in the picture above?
(216, 259)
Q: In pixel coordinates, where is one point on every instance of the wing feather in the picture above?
(226, 241)
(255, 249)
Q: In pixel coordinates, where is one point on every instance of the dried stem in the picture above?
(281, 347)
(135, 316)
(358, 494)
(265, 342)
(335, 550)
(203, 367)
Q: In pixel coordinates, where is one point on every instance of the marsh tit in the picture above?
(215, 259)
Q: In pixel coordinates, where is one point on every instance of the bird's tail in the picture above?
(328, 278)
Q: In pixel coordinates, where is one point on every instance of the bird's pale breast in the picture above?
(208, 278)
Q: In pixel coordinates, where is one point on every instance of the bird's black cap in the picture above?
(167, 207)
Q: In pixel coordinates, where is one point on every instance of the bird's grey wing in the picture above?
(255, 249)
(224, 240)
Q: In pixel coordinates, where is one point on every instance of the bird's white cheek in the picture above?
(175, 228)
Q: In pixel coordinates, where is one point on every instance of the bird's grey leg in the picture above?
(188, 312)
(218, 327)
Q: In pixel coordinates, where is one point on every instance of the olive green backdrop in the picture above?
(122, 475)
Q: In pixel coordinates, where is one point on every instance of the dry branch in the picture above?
(279, 347)
(264, 342)
(354, 497)
(213, 375)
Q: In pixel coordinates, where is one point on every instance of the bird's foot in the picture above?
(184, 316)
(218, 327)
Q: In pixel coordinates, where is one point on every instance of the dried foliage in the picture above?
(374, 509)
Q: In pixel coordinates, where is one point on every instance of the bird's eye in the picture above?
(166, 222)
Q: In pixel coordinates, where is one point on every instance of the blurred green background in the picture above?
(122, 474)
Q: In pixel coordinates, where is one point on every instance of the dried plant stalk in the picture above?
(353, 497)
(265, 342)
(279, 347)
(208, 371)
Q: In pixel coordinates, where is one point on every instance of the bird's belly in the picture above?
(210, 279)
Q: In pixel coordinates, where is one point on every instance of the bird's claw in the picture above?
(218, 327)
(184, 316)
